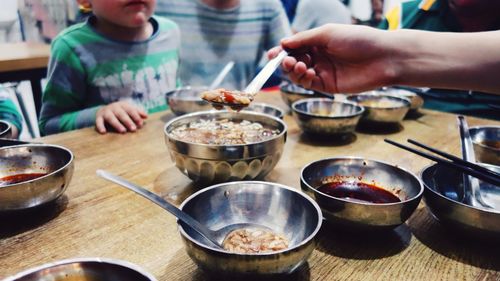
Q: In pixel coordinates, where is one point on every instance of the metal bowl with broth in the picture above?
(33, 174)
(282, 209)
(486, 142)
(84, 269)
(381, 108)
(325, 116)
(215, 163)
(363, 186)
(444, 195)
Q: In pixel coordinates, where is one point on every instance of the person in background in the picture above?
(10, 114)
(450, 16)
(215, 32)
(314, 13)
(352, 59)
(290, 8)
(111, 70)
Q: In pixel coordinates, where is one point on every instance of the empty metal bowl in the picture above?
(5, 130)
(326, 116)
(415, 100)
(486, 142)
(51, 164)
(444, 194)
(265, 108)
(381, 108)
(187, 99)
(207, 164)
(283, 209)
(84, 269)
(291, 93)
(361, 214)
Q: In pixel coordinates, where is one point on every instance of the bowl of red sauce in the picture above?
(361, 193)
(33, 174)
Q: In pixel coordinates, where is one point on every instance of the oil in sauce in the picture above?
(358, 191)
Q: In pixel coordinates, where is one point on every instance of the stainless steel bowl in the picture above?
(357, 214)
(5, 130)
(291, 93)
(415, 100)
(84, 269)
(443, 196)
(326, 116)
(392, 109)
(283, 209)
(207, 164)
(265, 108)
(486, 142)
(53, 160)
(187, 99)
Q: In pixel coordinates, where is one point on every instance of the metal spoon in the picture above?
(215, 237)
(257, 82)
(221, 75)
(472, 192)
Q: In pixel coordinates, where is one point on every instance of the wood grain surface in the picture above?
(23, 56)
(95, 218)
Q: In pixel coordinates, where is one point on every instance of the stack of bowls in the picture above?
(291, 93)
(187, 99)
(208, 164)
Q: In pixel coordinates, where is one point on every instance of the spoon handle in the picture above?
(266, 72)
(160, 202)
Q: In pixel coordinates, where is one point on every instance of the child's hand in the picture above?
(121, 116)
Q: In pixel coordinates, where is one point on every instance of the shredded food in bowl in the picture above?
(223, 132)
(254, 241)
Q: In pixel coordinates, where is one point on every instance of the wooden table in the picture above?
(25, 61)
(98, 219)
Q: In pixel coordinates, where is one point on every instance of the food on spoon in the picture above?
(254, 241)
(236, 99)
(223, 132)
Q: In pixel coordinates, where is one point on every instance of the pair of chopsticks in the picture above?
(457, 163)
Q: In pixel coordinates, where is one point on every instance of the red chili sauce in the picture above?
(19, 178)
(358, 191)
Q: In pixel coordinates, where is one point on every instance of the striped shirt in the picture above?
(88, 70)
(213, 37)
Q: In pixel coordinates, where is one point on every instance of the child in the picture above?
(111, 70)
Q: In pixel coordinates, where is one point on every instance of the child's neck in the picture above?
(118, 32)
(221, 4)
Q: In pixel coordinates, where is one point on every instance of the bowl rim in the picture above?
(72, 157)
(484, 127)
(264, 104)
(283, 89)
(405, 101)
(302, 243)
(356, 106)
(315, 190)
(213, 112)
(117, 262)
(421, 174)
(7, 124)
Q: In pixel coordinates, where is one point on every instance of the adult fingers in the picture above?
(273, 52)
(319, 36)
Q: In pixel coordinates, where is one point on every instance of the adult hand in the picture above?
(121, 116)
(338, 58)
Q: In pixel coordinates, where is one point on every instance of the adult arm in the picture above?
(349, 59)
